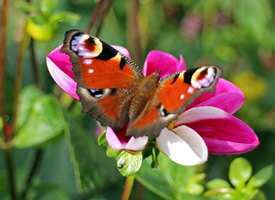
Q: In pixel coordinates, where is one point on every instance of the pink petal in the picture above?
(63, 80)
(164, 62)
(99, 130)
(62, 61)
(182, 145)
(222, 132)
(122, 50)
(116, 141)
(227, 97)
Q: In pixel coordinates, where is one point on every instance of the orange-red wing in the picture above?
(171, 98)
(96, 64)
(179, 90)
(105, 74)
(174, 94)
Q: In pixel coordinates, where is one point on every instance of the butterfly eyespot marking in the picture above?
(86, 46)
(97, 93)
(163, 111)
(100, 93)
(203, 77)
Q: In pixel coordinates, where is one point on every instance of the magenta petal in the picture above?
(61, 70)
(227, 97)
(225, 134)
(164, 62)
(62, 61)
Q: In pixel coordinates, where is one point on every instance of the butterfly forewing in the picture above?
(106, 79)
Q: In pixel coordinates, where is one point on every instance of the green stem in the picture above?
(8, 152)
(104, 12)
(94, 16)
(133, 33)
(34, 64)
(35, 165)
(18, 78)
(2, 61)
(11, 174)
(128, 187)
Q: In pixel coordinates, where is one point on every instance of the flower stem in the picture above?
(99, 13)
(18, 78)
(128, 187)
(36, 163)
(8, 152)
(133, 32)
(94, 15)
(2, 61)
(34, 64)
(101, 19)
(11, 174)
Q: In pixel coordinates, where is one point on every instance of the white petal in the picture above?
(199, 113)
(183, 145)
(136, 144)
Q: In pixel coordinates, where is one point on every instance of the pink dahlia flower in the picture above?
(207, 125)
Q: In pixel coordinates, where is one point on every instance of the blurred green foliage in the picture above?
(237, 35)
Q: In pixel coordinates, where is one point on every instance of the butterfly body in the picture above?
(113, 90)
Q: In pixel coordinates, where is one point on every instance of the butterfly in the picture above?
(113, 90)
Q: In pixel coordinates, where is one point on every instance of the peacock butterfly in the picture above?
(113, 90)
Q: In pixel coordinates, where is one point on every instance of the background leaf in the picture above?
(92, 168)
(42, 120)
(261, 177)
(240, 171)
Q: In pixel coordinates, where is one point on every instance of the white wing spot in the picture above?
(90, 71)
(182, 96)
(87, 61)
(190, 90)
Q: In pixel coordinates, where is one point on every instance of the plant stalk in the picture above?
(2, 61)
(133, 32)
(18, 78)
(128, 187)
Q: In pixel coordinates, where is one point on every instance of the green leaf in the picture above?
(26, 6)
(101, 140)
(41, 30)
(129, 164)
(194, 188)
(111, 152)
(47, 6)
(93, 169)
(240, 171)
(261, 177)
(217, 183)
(223, 194)
(169, 180)
(64, 16)
(44, 121)
(28, 97)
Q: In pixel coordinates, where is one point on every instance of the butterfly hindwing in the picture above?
(173, 95)
(106, 79)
